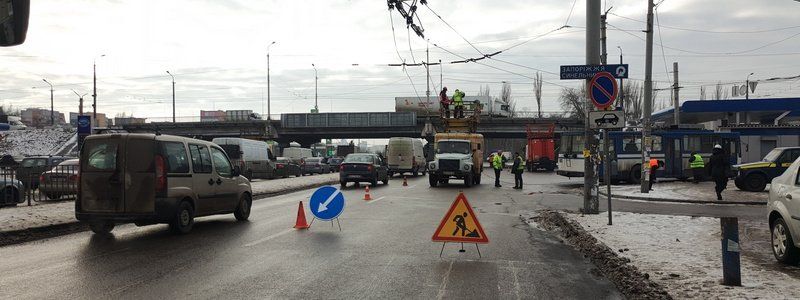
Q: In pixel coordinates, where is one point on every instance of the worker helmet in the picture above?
(717, 146)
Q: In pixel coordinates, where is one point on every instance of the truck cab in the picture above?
(458, 156)
(753, 177)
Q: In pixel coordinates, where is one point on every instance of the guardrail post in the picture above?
(731, 266)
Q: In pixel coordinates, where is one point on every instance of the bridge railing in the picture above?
(377, 119)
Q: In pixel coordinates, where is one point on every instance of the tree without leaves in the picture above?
(537, 90)
(573, 101)
(702, 93)
(632, 95)
(484, 90)
(506, 98)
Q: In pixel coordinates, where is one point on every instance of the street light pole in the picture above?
(52, 115)
(80, 103)
(173, 96)
(747, 87)
(315, 88)
(94, 88)
(269, 112)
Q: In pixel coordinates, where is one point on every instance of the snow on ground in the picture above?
(684, 255)
(270, 186)
(19, 143)
(680, 190)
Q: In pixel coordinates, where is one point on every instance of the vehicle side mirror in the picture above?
(236, 171)
(15, 22)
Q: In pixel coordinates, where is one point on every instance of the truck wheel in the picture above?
(390, 174)
(101, 227)
(635, 176)
(243, 209)
(782, 245)
(468, 180)
(755, 182)
(433, 180)
(183, 220)
(415, 173)
(738, 183)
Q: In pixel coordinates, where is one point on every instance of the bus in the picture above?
(673, 147)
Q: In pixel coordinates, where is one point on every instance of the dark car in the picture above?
(335, 163)
(314, 165)
(31, 167)
(363, 167)
(284, 167)
(607, 118)
(753, 177)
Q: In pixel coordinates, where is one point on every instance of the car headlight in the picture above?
(466, 167)
(432, 166)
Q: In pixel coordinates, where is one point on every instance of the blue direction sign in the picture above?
(85, 124)
(327, 203)
(587, 71)
(603, 90)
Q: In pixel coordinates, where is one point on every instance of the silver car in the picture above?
(783, 213)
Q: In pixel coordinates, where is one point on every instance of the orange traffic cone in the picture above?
(405, 180)
(301, 218)
(366, 195)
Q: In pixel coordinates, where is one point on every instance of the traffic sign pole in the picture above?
(590, 200)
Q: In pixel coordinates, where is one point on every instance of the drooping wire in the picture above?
(566, 23)
(661, 42)
(454, 30)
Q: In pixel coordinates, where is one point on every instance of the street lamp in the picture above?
(94, 84)
(173, 96)
(269, 112)
(621, 102)
(747, 87)
(80, 104)
(316, 109)
(52, 116)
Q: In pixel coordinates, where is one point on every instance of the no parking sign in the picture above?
(603, 90)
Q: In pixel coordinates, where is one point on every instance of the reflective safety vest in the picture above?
(458, 98)
(497, 162)
(697, 163)
(521, 163)
(653, 162)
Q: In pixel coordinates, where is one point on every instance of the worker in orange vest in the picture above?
(653, 167)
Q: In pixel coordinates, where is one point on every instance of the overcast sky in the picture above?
(217, 51)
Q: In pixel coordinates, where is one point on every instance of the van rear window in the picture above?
(101, 155)
(177, 160)
(233, 151)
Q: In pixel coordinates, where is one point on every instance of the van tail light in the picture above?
(279, 166)
(161, 174)
(341, 168)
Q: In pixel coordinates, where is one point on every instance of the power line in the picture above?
(713, 31)
(454, 30)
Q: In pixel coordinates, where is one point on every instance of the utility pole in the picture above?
(316, 108)
(94, 90)
(676, 102)
(428, 74)
(747, 87)
(52, 114)
(621, 87)
(606, 154)
(648, 100)
(590, 201)
(603, 53)
(173, 96)
(269, 112)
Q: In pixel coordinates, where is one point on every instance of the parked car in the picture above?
(148, 179)
(753, 177)
(783, 209)
(363, 167)
(11, 191)
(313, 165)
(31, 167)
(405, 155)
(254, 158)
(285, 167)
(335, 162)
(62, 180)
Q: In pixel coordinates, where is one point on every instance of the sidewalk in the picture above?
(23, 221)
(683, 254)
(679, 191)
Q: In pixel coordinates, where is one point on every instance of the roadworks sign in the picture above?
(460, 225)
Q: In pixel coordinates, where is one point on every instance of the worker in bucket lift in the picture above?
(458, 101)
(445, 102)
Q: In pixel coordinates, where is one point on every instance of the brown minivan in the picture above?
(149, 179)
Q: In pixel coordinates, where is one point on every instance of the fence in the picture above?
(381, 119)
(20, 184)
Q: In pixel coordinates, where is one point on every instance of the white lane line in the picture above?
(376, 200)
(270, 237)
(443, 285)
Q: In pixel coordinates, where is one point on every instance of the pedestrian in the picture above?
(697, 165)
(719, 166)
(445, 102)
(497, 165)
(458, 103)
(518, 168)
(653, 167)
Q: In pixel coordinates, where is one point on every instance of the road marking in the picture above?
(269, 237)
(443, 285)
(376, 200)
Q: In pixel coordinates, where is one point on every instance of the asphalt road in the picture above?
(384, 250)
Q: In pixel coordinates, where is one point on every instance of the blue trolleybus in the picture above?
(673, 147)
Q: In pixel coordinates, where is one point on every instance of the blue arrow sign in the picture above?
(327, 203)
(603, 90)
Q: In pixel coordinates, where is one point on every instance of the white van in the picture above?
(297, 154)
(254, 158)
(405, 155)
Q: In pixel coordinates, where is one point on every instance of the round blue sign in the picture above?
(603, 89)
(327, 203)
(83, 122)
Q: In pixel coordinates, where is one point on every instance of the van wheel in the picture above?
(243, 209)
(101, 227)
(635, 176)
(433, 180)
(782, 244)
(183, 220)
(415, 173)
(249, 175)
(10, 196)
(755, 182)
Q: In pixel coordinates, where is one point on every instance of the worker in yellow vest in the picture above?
(697, 165)
(518, 168)
(458, 103)
(497, 165)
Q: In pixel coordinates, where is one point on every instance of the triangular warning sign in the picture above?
(460, 224)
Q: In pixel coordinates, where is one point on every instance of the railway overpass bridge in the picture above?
(310, 130)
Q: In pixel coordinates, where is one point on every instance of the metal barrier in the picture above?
(26, 184)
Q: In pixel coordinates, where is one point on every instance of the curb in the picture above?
(43, 232)
(684, 200)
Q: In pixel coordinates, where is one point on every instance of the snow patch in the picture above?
(20, 143)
